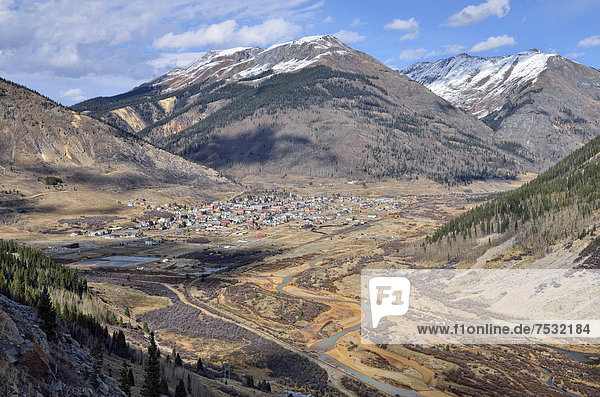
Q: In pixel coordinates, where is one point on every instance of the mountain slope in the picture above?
(560, 205)
(314, 106)
(42, 138)
(545, 102)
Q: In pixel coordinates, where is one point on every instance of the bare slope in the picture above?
(41, 138)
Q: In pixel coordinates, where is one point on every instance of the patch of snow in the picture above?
(227, 64)
(467, 81)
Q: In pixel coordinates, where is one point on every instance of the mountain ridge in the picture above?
(522, 97)
(314, 106)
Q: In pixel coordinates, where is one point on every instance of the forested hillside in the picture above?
(24, 272)
(559, 203)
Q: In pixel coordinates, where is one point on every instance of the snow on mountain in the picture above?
(246, 62)
(477, 84)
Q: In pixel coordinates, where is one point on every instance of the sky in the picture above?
(72, 50)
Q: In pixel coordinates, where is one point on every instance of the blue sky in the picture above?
(72, 50)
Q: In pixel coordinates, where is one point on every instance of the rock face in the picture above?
(32, 366)
(36, 361)
(545, 102)
(315, 107)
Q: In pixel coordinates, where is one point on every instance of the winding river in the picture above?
(326, 344)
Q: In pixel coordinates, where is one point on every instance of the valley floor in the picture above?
(282, 304)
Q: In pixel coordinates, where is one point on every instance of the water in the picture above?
(326, 344)
(119, 261)
(375, 383)
(586, 358)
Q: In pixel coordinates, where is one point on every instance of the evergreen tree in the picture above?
(119, 344)
(199, 365)
(145, 328)
(131, 378)
(152, 379)
(48, 314)
(180, 389)
(178, 362)
(98, 355)
(164, 387)
(124, 381)
(264, 386)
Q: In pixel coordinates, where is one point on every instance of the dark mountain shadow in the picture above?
(257, 146)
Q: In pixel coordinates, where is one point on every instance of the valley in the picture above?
(204, 232)
(282, 288)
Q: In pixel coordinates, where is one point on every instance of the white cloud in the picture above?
(403, 25)
(410, 26)
(575, 55)
(423, 53)
(329, 19)
(177, 59)
(476, 13)
(417, 53)
(271, 31)
(226, 33)
(72, 95)
(410, 36)
(357, 22)
(217, 33)
(348, 36)
(114, 37)
(592, 41)
(493, 42)
(453, 49)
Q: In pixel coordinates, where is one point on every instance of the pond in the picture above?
(119, 261)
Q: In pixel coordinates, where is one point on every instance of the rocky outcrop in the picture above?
(30, 365)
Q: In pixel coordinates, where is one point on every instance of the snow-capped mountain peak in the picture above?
(246, 62)
(474, 83)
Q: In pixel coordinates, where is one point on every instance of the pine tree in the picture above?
(164, 387)
(119, 344)
(178, 362)
(180, 389)
(98, 355)
(131, 378)
(124, 381)
(199, 365)
(152, 379)
(47, 314)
